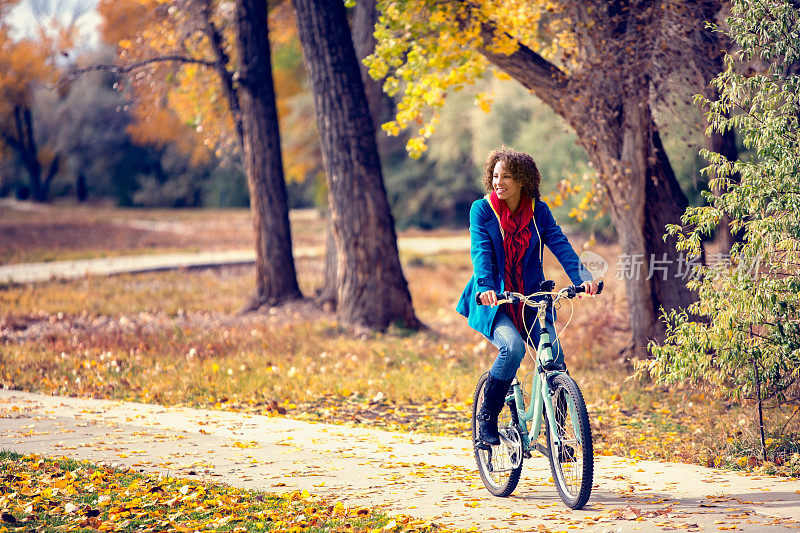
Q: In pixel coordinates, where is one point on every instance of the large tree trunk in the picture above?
(643, 193)
(381, 109)
(328, 293)
(381, 106)
(665, 203)
(644, 196)
(372, 290)
(276, 278)
(625, 166)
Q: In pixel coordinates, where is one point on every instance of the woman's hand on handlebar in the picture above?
(592, 287)
(488, 298)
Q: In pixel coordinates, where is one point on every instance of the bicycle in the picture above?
(559, 401)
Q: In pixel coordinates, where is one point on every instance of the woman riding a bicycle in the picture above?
(508, 230)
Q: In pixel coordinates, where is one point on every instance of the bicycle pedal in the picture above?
(542, 450)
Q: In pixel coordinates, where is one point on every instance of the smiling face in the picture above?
(520, 167)
(506, 187)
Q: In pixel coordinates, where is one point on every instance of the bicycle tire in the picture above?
(572, 465)
(495, 466)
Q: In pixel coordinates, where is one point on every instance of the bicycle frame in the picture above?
(541, 400)
(554, 397)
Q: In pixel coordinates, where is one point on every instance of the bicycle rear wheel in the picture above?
(572, 460)
(499, 466)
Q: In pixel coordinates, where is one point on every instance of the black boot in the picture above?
(494, 396)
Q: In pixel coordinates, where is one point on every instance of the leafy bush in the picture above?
(742, 337)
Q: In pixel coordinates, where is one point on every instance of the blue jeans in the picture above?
(511, 345)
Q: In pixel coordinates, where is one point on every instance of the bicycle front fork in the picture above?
(541, 404)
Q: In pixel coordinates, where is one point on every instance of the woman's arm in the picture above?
(558, 243)
(481, 248)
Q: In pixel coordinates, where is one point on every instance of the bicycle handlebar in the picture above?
(573, 290)
(569, 292)
(505, 295)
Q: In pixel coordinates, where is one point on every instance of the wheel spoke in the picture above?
(572, 459)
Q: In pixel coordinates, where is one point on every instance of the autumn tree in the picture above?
(372, 291)
(597, 64)
(221, 83)
(53, 132)
(25, 66)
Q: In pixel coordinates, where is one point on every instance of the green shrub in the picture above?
(742, 337)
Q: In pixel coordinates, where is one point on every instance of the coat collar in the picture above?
(535, 229)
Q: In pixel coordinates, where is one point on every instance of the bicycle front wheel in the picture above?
(499, 466)
(572, 459)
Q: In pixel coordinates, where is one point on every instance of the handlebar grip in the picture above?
(576, 289)
(505, 295)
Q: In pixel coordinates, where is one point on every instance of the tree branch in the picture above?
(26, 151)
(32, 148)
(124, 69)
(55, 164)
(11, 141)
(530, 69)
(789, 419)
(221, 66)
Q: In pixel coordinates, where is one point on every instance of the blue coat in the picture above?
(488, 260)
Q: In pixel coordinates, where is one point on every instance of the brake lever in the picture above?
(505, 297)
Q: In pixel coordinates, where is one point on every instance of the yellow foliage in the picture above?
(416, 146)
(184, 103)
(425, 49)
(484, 102)
(392, 128)
(24, 65)
(171, 504)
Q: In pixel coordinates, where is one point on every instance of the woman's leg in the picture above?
(510, 348)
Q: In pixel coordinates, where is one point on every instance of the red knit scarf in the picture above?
(517, 236)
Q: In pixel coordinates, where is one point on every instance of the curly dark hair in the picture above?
(521, 166)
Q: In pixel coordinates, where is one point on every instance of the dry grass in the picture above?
(176, 338)
(62, 232)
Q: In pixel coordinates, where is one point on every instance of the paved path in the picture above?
(33, 272)
(429, 477)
